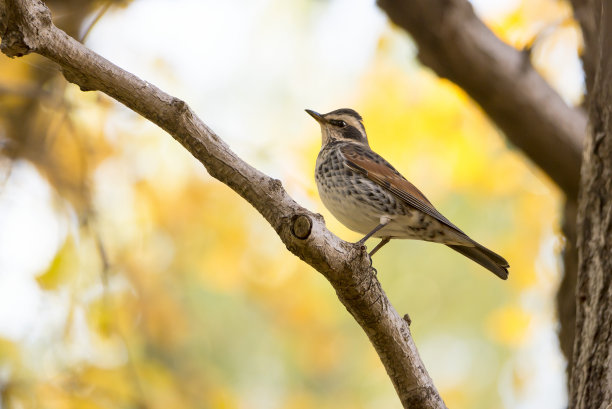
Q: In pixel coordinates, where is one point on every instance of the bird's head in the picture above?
(341, 125)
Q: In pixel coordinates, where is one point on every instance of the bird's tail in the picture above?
(485, 257)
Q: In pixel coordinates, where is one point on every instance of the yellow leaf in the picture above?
(61, 267)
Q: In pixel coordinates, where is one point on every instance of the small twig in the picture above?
(110, 308)
(99, 15)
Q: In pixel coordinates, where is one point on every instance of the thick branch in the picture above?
(591, 382)
(457, 45)
(28, 28)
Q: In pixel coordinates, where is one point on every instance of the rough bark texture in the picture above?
(591, 383)
(26, 27)
(457, 45)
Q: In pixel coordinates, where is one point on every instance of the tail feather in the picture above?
(485, 257)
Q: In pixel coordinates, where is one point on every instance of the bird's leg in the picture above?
(384, 220)
(380, 245)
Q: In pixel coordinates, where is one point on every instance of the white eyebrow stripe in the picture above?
(349, 120)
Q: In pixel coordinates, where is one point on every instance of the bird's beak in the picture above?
(317, 116)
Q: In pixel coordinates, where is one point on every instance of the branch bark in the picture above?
(591, 382)
(27, 27)
(457, 45)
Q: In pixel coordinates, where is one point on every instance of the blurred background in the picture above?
(129, 278)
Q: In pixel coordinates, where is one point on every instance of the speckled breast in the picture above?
(355, 201)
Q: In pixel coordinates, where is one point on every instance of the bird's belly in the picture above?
(359, 205)
(357, 202)
(352, 213)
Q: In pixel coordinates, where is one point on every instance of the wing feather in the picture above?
(379, 171)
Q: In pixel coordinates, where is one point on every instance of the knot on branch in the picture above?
(301, 226)
(275, 185)
(180, 105)
(13, 44)
(21, 25)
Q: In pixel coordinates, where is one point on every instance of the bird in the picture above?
(369, 196)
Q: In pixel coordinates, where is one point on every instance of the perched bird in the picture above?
(369, 196)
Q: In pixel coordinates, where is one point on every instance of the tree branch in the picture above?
(591, 381)
(457, 45)
(28, 28)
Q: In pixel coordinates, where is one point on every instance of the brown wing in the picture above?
(379, 171)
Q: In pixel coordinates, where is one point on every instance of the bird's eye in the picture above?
(338, 123)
